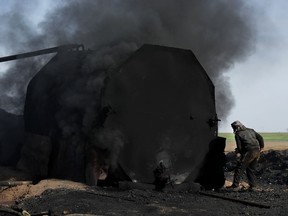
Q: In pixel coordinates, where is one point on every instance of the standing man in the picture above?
(249, 145)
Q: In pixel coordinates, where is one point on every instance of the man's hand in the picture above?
(261, 149)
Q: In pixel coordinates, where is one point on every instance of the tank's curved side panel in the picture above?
(61, 106)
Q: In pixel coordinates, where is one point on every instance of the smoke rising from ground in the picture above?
(218, 32)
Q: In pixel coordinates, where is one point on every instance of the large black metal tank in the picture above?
(162, 102)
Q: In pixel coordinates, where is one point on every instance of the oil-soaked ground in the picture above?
(64, 197)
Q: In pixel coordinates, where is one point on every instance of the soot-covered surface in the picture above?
(70, 197)
(164, 103)
(161, 108)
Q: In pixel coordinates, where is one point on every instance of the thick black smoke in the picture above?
(219, 32)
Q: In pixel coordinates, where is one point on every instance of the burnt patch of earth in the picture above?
(272, 167)
(67, 198)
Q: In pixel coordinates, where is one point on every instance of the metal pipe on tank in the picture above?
(63, 48)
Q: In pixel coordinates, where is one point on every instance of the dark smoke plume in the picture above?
(219, 32)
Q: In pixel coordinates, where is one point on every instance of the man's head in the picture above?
(237, 125)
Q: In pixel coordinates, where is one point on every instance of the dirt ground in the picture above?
(60, 197)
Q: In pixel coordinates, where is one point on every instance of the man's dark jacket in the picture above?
(248, 139)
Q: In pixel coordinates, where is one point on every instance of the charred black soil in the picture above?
(60, 197)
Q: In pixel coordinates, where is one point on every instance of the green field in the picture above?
(277, 137)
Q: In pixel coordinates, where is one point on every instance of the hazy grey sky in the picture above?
(258, 83)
